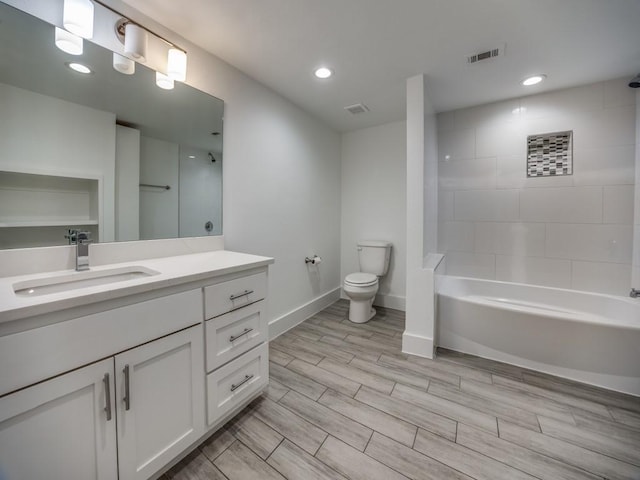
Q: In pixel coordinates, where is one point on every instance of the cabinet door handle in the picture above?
(127, 392)
(107, 395)
(245, 380)
(235, 337)
(239, 295)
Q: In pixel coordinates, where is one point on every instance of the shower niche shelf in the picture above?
(48, 200)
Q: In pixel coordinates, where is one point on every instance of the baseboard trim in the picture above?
(417, 345)
(391, 301)
(289, 320)
(387, 301)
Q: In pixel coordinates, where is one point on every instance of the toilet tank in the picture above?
(373, 256)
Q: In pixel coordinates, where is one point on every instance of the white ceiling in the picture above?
(375, 45)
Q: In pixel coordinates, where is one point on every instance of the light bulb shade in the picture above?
(68, 42)
(135, 42)
(123, 64)
(177, 64)
(164, 82)
(77, 17)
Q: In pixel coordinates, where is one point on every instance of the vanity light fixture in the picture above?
(68, 42)
(135, 42)
(533, 80)
(164, 81)
(78, 67)
(177, 64)
(77, 17)
(123, 64)
(323, 72)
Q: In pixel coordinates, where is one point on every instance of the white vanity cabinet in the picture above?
(65, 428)
(60, 429)
(121, 388)
(160, 402)
(236, 336)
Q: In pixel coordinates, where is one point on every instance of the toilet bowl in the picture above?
(361, 288)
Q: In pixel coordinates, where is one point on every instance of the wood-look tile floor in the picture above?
(344, 402)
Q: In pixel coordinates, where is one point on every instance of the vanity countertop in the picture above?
(173, 271)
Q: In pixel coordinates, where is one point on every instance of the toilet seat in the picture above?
(361, 279)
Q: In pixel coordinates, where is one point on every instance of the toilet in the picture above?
(361, 287)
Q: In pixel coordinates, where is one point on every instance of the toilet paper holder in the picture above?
(315, 260)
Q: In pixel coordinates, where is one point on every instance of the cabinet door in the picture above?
(62, 428)
(160, 389)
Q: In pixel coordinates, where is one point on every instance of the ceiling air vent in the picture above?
(486, 55)
(356, 109)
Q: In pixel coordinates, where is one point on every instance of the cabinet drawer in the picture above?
(235, 333)
(234, 383)
(224, 297)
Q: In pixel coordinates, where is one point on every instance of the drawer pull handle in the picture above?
(233, 338)
(127, 392)
(107, 395)
(240, 295)
(246, 379)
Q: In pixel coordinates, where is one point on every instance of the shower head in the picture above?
(635, 82)
(212, 158)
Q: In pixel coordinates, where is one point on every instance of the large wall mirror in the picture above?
(106, 152)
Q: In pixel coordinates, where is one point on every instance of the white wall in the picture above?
(159, 164)
(418, 337)
(567, 231)
(200, 192)
(127, 181)
(374, 202)
(59, 138)
(281, 182)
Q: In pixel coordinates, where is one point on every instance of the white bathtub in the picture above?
(583, 336)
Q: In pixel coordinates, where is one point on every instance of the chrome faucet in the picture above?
(635, 293)
(81, 240)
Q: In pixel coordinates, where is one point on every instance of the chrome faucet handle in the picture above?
(72, 236)
(83, 237)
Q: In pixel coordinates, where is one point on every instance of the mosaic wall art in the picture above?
(550, 154)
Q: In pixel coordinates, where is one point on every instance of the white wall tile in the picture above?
(597, 243)
(486, 205)
(445, 121)
(492, 113)
(617, 93)
(467, 174)
(613, 165)
(512, 173)
(524, 239)
(445, 205)
(506, 138)
(609, 127)
(534, 270)
(612, 278)
(456, 144)
(455, 236)
(570, 100)
(536, 227)
(618, 204)
(566, 205)
(477, 265)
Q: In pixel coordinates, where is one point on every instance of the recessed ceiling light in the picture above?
(78, 67)
(533, 80)
(323, 72)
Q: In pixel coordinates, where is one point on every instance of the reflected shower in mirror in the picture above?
(96, 151)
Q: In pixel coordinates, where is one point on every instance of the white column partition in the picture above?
(419, 336)
(635, 265)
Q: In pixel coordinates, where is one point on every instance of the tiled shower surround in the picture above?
(571, 231)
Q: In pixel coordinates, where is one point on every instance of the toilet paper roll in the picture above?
(316, 260)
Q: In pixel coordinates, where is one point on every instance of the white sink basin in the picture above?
(77, 280)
